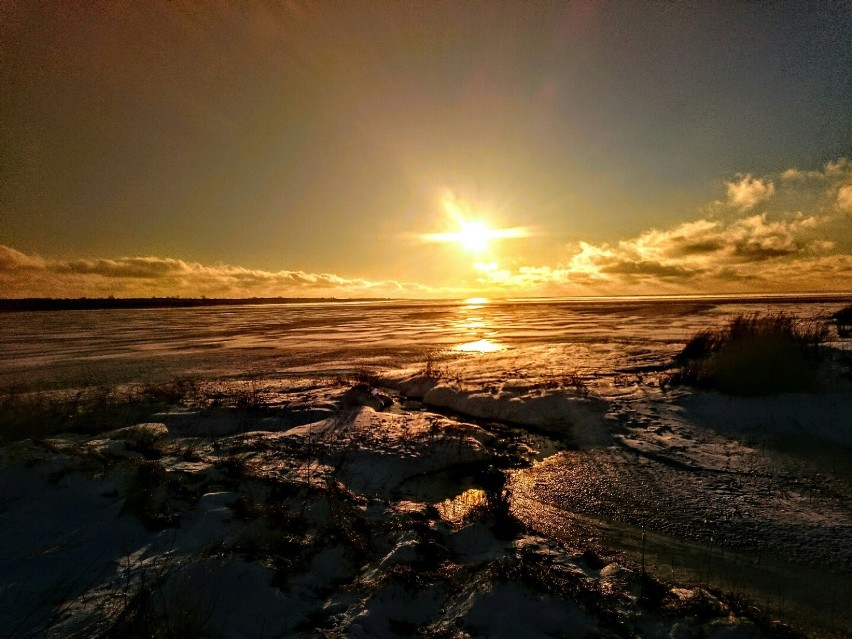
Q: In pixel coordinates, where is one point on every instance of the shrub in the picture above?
(90, 410)
(236, 466)
(843, 320)
(147, 497)
(152, 605)
(174, 391)
(757, 354)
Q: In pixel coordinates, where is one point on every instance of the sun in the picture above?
(471, 233)
(474, 236)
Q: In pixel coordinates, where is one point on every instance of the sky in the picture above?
(425, 149)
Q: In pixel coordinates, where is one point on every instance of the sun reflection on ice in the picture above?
(475, 301)
(480, 346)
(473, 324)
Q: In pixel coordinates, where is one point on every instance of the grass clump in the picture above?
(236, 466)
(843, 320)
(154, 603)
(176, 391)
(148, 495)
(26, 414)
(755, 354)
(36, 414)
(569, 380)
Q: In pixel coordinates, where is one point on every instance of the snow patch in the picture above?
(555, 410)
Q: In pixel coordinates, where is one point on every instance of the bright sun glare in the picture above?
(471, 235)
(474, 236)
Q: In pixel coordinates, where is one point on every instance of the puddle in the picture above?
(437, 487)
(456, 509)
(806, 596)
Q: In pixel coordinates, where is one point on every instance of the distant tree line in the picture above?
(92, 303)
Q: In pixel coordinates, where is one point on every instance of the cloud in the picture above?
(735, 249)
(844, 199)
(647, 267)
(23, 275)
(841, 168)
(748, 192)
(800, 239)
(796, 174)
(12, 261)
(130, 267)
(703, 243)
(833, 181)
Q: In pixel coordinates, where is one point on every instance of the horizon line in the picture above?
(105, 303)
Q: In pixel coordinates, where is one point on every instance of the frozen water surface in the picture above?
(751, 495)
(537, 339)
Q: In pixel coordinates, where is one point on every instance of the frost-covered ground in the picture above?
(453, 493)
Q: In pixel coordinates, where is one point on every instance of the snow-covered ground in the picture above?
(422, 492)
(347, 526)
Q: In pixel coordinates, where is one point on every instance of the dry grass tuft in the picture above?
(147, 497)
(843, 320)
(757, 354)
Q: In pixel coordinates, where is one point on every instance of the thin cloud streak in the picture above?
(23, 275)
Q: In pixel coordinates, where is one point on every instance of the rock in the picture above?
(140, 432)
(615, 570)
(119, 449)
(416, 387)
(592, 560)
(363, 395)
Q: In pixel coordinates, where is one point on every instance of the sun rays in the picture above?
(469, 230)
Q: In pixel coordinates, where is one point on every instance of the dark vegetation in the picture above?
(147, 497)
(93, 303)
(756, 354)
(289, 520)
(26, 414)
(843, 320)
(90, 410)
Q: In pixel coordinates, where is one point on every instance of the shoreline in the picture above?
(39, 304)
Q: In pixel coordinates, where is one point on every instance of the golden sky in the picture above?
(425, 149)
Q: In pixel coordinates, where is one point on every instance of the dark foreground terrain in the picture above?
(417, 506)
